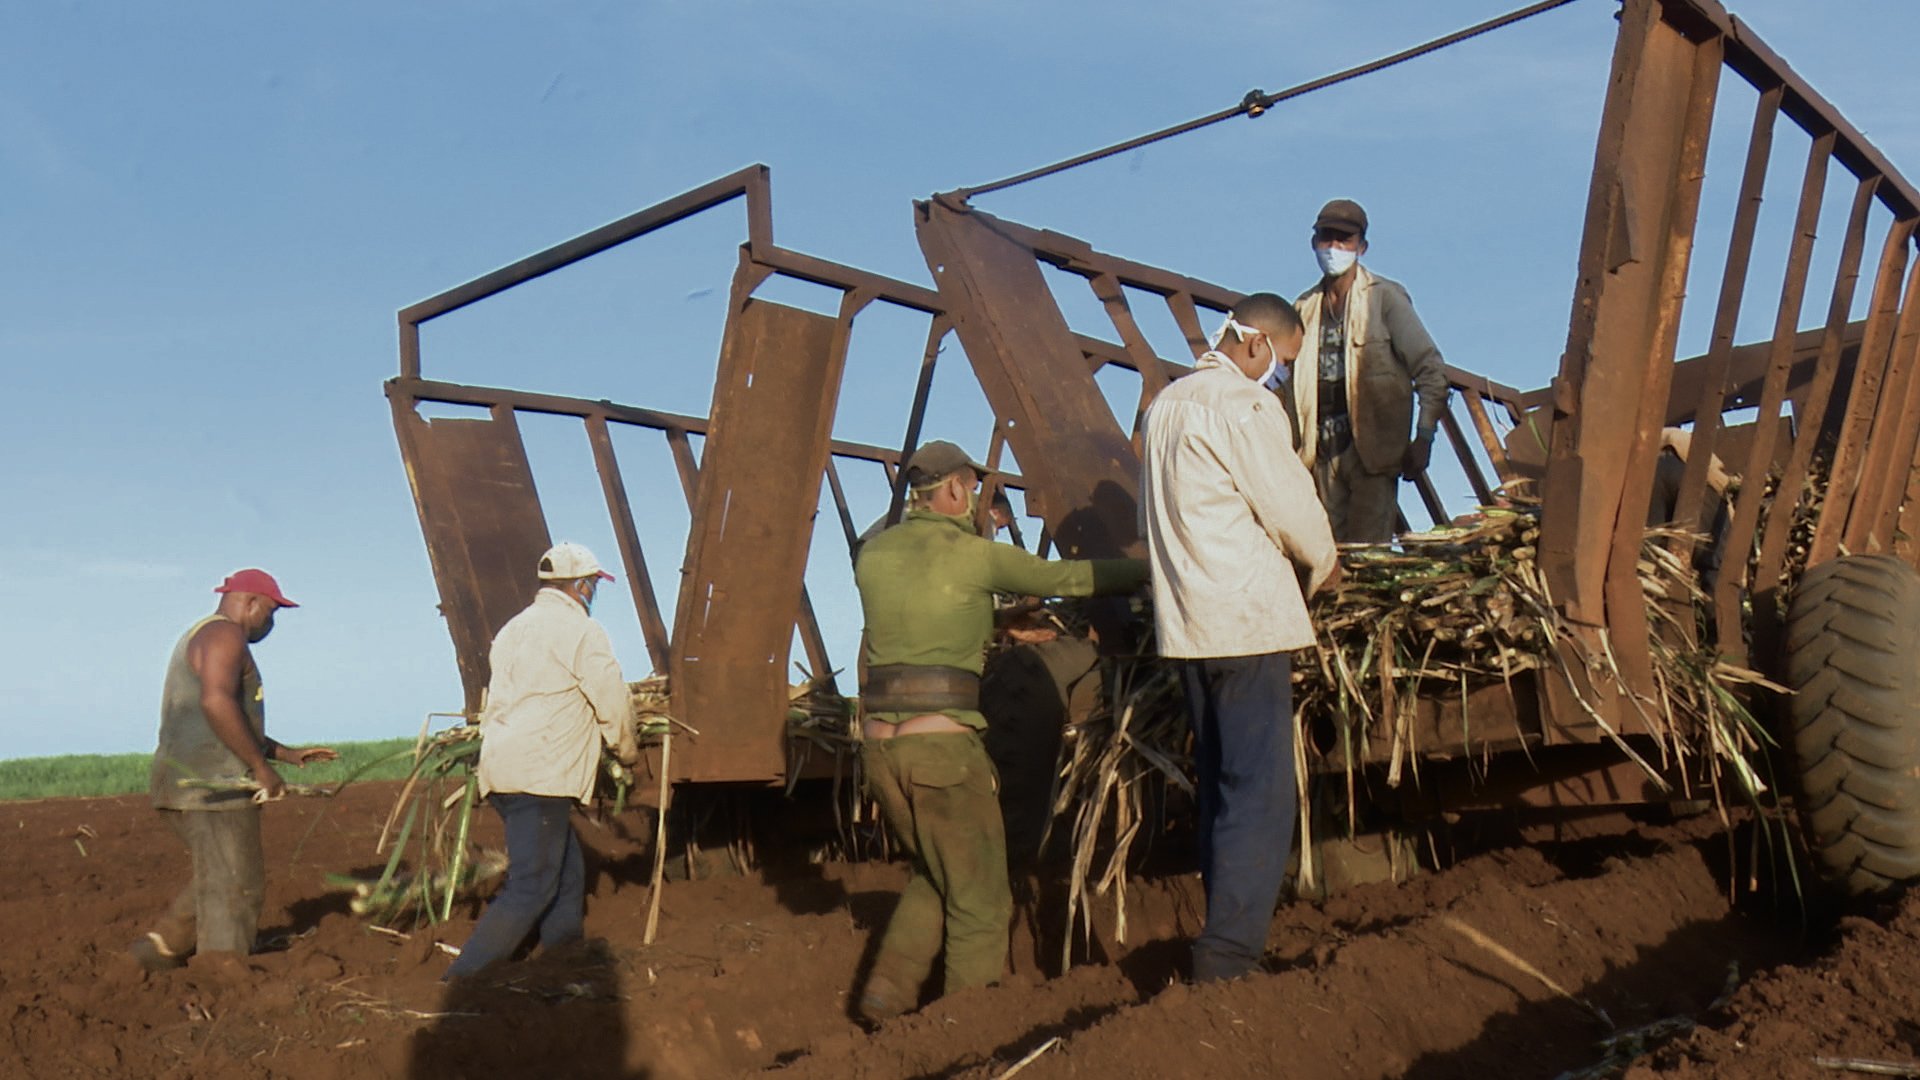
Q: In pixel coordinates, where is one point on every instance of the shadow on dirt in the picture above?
(557, 1015)
(1681, 977)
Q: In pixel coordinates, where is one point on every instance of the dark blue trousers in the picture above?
(545, 888)
(1242, 713)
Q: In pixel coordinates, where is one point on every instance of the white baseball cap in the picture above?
(567, 560)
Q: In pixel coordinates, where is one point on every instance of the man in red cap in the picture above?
(213, 727)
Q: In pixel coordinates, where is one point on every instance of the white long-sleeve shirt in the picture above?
(1228, 511)
(556, 693)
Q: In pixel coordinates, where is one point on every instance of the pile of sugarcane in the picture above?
(1438, 613)
(430, 861)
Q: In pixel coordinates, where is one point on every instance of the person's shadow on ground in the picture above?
(559, 1015)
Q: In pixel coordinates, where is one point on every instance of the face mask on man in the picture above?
(1335, 260)
(1241, 332)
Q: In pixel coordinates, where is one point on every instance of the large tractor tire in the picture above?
(1853, 661)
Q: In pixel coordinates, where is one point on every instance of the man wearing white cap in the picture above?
(555, 695)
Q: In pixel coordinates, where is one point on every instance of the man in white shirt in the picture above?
(556, 693)
(1237, 540)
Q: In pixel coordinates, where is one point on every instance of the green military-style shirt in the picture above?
(927, 585)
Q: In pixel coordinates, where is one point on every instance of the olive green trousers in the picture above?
(938, 794)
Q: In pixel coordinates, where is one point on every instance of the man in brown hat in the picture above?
(1368, 359)
(927, 590)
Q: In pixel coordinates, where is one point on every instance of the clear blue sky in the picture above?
(211, 211)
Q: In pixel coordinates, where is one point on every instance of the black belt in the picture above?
(919, 688)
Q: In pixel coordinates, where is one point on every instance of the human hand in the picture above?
(1419, 453)
(307, 755)
(628, 755)
(271, 785)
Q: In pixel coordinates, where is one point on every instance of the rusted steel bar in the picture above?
(1487, 388)
(916, 416)
(1464, 451)
(1627, 622)
(750, 181)
(1773, 541)
(1728, 590)
(1430, 496)
(1753, 60)
(1869, 525)
(1905, 529)
(1153, 372)
(1187, 318)
(1483, 427)
(834, 275)
(1076, 256)
(1726, 318)
(840, 504)
(525, 401)
(1863, 395)
(1032, 370)
(1615, 373)
(652, 627)
(685, 465)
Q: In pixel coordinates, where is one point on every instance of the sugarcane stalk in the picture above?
(458, 862)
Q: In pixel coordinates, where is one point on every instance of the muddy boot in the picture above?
(881, 1000)
(151, 952)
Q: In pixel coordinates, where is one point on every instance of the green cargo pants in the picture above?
(937, 793)
(220, 910)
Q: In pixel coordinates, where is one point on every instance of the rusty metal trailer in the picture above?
(1840, 398)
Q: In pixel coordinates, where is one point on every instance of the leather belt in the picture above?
(919, 688)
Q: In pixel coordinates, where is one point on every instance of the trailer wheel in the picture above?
(1853, 661)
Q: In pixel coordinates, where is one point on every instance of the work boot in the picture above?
(151, 952)
(881, 1001)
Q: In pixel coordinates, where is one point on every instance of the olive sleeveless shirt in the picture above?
(188, 746)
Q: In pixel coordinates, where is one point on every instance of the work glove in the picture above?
(1419, 452)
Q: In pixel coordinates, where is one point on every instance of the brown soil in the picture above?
(1427, 979)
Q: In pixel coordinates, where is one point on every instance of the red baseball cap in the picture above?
(255, 581)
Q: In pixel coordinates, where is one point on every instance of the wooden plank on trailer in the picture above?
(1034, 374)
(1611, 392)
(480, 513)
(758, 487)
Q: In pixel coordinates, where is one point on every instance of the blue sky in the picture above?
(211, 211)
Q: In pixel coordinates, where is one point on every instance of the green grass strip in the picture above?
(99, 775)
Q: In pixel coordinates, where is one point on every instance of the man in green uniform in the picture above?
(926, 589)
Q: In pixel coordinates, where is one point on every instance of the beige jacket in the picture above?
(1231, 519)
(1390, 360)
(556, 694)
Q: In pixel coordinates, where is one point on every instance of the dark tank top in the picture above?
(188, 746)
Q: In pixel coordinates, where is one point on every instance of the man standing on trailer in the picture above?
(927, 590)
(554, 696)
(1237, 542)
(1370, 359)
(213, 726)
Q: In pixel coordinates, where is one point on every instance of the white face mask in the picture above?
(1241, 332)
(1335, 261)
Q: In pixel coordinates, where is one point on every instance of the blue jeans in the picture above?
(546, 883)
(1242, 713)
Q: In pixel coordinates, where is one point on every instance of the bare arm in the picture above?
(218, 654)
